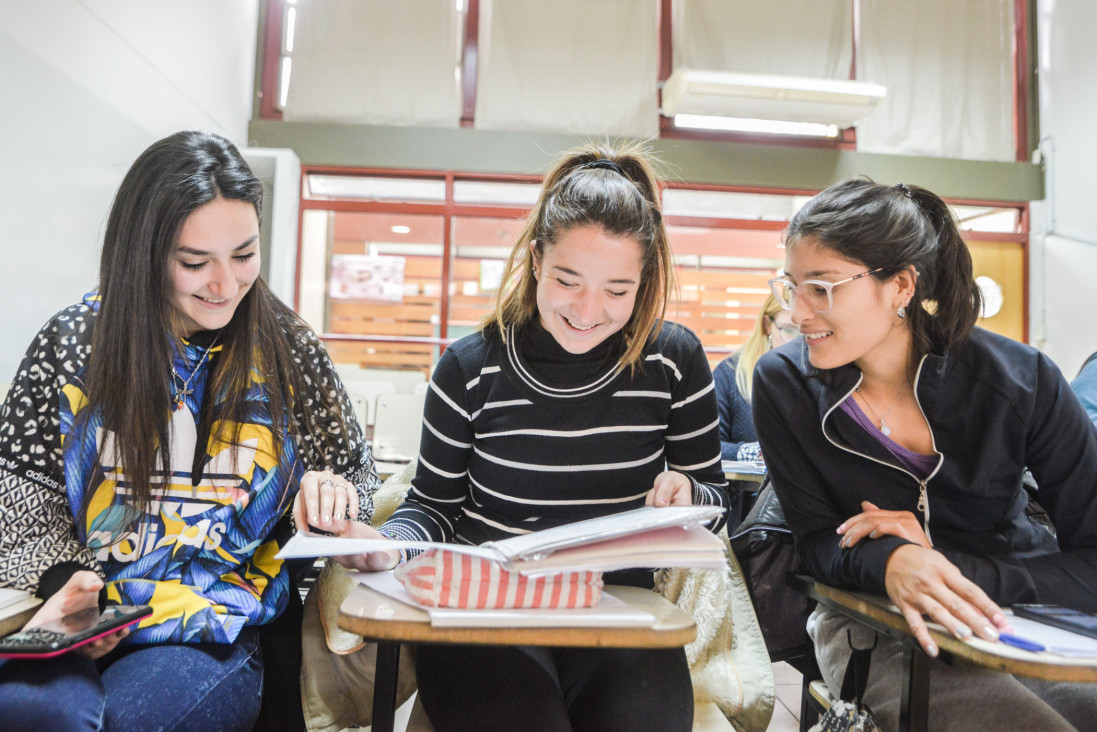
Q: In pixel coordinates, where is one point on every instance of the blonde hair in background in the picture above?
(757, 343)
(624, 204)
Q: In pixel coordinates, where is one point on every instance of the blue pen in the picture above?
(1018, 642)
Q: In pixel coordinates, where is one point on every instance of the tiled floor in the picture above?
(786, 712)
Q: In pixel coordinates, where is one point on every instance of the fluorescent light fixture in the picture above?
(739, 124)
(399, 229)
(291, 23)
(283, 93)
(769, 96)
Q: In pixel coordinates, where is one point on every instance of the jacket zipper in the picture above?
(923, 496)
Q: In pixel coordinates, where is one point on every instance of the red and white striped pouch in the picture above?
(440, 578)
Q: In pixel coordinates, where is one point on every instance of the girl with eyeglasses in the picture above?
(903, 433)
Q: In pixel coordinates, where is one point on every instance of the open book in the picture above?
(644, 537)
(16, 608)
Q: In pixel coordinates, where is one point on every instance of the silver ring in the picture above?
(343, 485)
(325, 482)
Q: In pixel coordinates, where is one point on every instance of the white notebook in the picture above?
(609, 612)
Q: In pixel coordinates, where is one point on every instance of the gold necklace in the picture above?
(184, 391)
(883, 426)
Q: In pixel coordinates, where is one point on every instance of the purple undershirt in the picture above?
(921, 466)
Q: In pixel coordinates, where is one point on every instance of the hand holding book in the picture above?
(328, 504)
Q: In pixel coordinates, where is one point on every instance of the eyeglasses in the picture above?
(788, 332)
(817, 294)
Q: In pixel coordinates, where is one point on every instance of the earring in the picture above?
(902, 311)
(534, 273)
(770, 339)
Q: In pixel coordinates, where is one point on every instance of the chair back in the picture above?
(398, 426)
(404, 380)
(363, 396)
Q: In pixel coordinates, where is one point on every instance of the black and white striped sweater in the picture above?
(514, 442)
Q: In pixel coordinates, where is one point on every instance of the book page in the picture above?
(9, 596)
(749, 467)
(539, 543)
(672, 546)
(1056, 640)
(305, 544)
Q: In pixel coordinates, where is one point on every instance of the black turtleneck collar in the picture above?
(553, 365)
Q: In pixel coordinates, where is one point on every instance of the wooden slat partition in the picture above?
(720, 306)
(419, 356)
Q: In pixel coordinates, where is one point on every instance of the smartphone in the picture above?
(73, 630)
(1061, 617)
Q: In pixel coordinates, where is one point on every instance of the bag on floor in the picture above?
(849, 713)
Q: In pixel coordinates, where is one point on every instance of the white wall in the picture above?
(85, 86)
(280, 171)
(1063, 271)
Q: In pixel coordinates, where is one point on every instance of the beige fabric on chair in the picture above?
(337, 667)
(728, 661)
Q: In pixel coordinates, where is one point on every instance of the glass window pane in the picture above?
(371, 188)
(480, 247)
(373, 274)
(722, 276)
(988, 218)
(730, 204)
(497, 192)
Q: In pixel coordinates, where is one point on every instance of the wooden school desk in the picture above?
(389, 622)
(878, 613)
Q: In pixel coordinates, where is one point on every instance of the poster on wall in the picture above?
(367, 277)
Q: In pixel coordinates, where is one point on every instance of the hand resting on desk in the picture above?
(921, 581)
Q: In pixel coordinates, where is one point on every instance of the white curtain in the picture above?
(948, 69)
(585, 67)
(810, 38)
(379, 62)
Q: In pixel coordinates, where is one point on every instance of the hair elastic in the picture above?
(607, 165)
(904, 189)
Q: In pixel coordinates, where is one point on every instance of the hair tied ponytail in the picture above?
(605, 164)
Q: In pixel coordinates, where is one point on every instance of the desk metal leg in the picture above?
(386, 671)
(914, 696)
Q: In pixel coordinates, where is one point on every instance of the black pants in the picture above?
(535, 689)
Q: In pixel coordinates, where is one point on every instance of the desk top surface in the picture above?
(998, 656)
(378, 617)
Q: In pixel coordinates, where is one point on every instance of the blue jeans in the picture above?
(138, 688)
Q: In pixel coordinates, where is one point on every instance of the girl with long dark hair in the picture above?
(152, 443)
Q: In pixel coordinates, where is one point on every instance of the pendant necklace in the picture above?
(883, 426)
(184, 390)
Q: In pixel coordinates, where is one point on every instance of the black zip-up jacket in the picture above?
(994, 406)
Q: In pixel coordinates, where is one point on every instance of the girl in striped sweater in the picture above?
(574, 400)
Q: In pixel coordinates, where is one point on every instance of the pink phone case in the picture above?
(111, 626)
